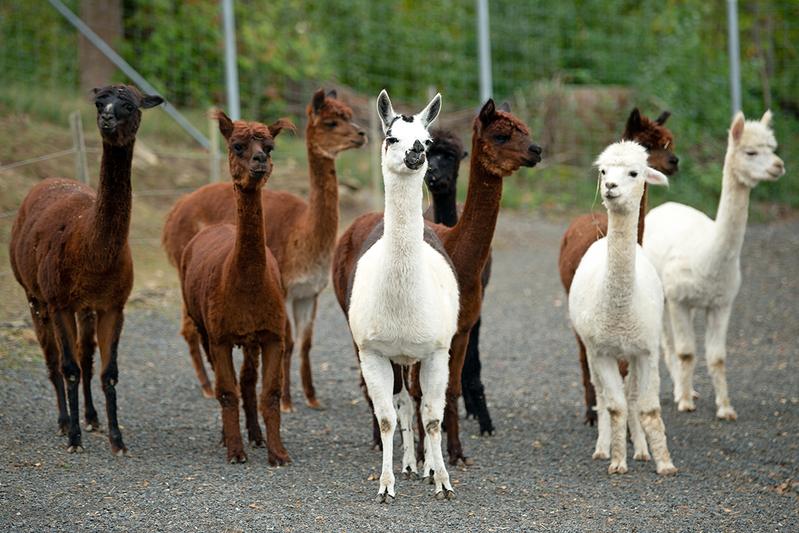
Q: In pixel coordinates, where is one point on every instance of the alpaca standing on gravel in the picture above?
(699, 259)
(69, 251)
(616, 306)
(403, 300)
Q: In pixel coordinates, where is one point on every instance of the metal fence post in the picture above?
(231, 70)
(377, 175)
(213, 150)
(484, 51)
(78, 144)
(735, 54)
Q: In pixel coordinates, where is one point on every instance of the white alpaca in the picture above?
(404, 301)
(698, 260)
(616, 306)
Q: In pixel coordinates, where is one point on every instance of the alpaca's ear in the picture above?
(332, 94)
(430, 113)
(464, 155)
(504, 106)
(225, 124)
(151, 100)
(655, 177)
(384, 110)
(96, 90)
(488, 112)
(737, 127)
(633, 125)
(664, 116)
(279, 125)
(766, 118)
(318, 100)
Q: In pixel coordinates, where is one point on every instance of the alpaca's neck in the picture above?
(403, 221)
(642, 213)
(730, 224)
(621, 250)
(248, 261)
(111, 223)
(322, 213)
(475, 229)
(445, 208)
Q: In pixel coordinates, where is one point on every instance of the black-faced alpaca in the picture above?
(444, 157)
(69, 251)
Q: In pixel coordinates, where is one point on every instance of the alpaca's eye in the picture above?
(391, 140)
(428, 142)
(751, 153)
(602, 171)
(501, 139)
(633, 174)
(330, 124)
(238, 147)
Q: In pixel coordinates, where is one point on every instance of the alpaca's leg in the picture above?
(272, 354)
(682, 326)
(404, 405)
(43, 326)
(602, 448)
(286, 404)
(433, 381)
(646, 367)
(66, 333)
(669, 355)
(606, 372)
(304, 317)
(588, 387)
(109, 329)
(716, 353)
(451, 422)
(474, 396)
(637, 435)
(379, 378)
(227, 392)
(248, 378)
(86, 345)
(192, 336)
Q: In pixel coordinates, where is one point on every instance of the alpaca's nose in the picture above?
(674, 160)
(534, 148)
(260, 157)
(610, 185)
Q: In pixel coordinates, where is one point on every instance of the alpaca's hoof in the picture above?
(600, 454)
(461, 461)
(92, 425)
(445, 494)
(384, 498)
(315, 404)
(236, 457)
(75, 448)
(208, 392)
(726, 413)
(618, 468)
(666, 469)
(642, 456)
(257, 443)
(409, 473)
(686, 405)
(694, 395)
(286, 406)
(428, 477)
(119, 452)
(279, 458)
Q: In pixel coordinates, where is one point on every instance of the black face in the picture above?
(118, 111)
(442, 168)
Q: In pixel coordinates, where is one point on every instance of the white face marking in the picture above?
(109, 107)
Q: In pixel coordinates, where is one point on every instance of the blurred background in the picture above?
(573, 69)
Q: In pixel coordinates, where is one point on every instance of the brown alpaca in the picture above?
(589, 228)
(69, 251)
(232, 294)
(500, 145)
(301, 236)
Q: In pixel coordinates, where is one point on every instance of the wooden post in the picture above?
(376, 133)
(213, 149)
(78, 144)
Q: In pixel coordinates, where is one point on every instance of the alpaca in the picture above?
(500, 145)
(616, 306)
(302, 234)
(587, 229)
(698, 260)
(403, 299)
(443, 162)
(69, 251)
(233, 296)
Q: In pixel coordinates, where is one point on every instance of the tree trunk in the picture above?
(105, 18)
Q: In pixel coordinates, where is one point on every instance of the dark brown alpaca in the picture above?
(443, 162)
(301, 234)
(500, 145)
(232, 294)
(69, 251)
(589, 228)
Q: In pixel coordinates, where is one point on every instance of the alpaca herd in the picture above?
(252, 263)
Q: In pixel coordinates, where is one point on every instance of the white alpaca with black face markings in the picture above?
(404, 300)
(699, 259)
(616, 306)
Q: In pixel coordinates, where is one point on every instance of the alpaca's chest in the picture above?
(693, 282)
(309, 280)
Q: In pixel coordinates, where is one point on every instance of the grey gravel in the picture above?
(536, 473)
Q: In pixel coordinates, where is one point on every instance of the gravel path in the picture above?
(536, 473)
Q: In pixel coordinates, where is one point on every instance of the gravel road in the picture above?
(536, 473)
